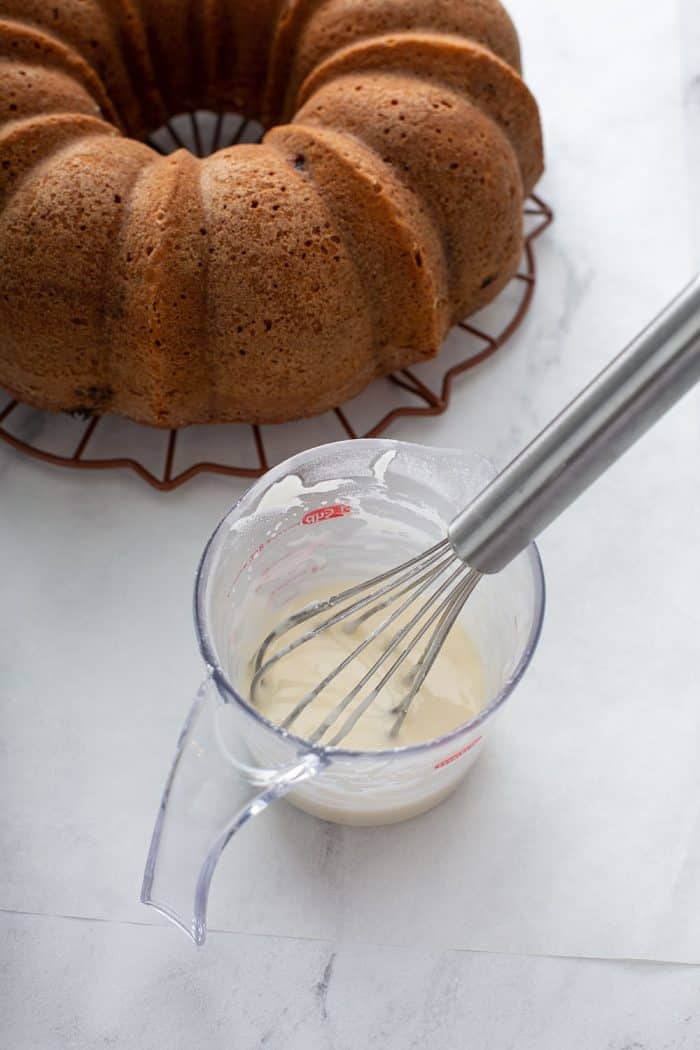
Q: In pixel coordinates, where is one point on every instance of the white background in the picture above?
(584, 842)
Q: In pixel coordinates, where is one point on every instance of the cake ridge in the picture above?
(149, 108)
(172, 276)
(370, 173)
(413, 49)
(440, 169)
(113, 375)
(339, 23)
(15, 32)
(79, 126)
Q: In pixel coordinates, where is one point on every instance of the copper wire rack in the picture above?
(70, 441)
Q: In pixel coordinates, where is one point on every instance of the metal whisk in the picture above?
(430, 590)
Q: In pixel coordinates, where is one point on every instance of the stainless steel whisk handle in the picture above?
(591, 433)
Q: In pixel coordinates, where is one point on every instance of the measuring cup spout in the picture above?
(209, 795)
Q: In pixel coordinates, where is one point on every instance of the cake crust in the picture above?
(266, 282)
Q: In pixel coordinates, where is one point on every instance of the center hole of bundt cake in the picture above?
(204, 132)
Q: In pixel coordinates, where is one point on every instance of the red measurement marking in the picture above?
(256, 553)
(457, 754)
(337, 510)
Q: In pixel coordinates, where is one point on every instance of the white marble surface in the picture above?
(87, 984)
(98, 661)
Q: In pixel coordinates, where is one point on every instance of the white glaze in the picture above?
(451, 695)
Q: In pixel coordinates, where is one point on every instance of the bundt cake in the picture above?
(268, 281)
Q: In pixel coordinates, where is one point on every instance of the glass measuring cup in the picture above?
(343, 511)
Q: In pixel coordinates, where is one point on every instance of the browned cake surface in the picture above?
(266, 282)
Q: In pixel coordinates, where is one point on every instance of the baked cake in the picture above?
(268, 281)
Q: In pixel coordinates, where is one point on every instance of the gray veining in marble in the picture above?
(83, 984)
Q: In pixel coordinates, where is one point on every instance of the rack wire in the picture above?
(204, 133)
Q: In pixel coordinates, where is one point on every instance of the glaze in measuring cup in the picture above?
(339, 512)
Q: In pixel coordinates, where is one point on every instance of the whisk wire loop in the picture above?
(377, 665)
(404, 572)
(428, 591)
(423, 583)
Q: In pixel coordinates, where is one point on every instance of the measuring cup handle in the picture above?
(201, 810)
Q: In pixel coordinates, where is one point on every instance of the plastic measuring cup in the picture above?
(339, 512)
